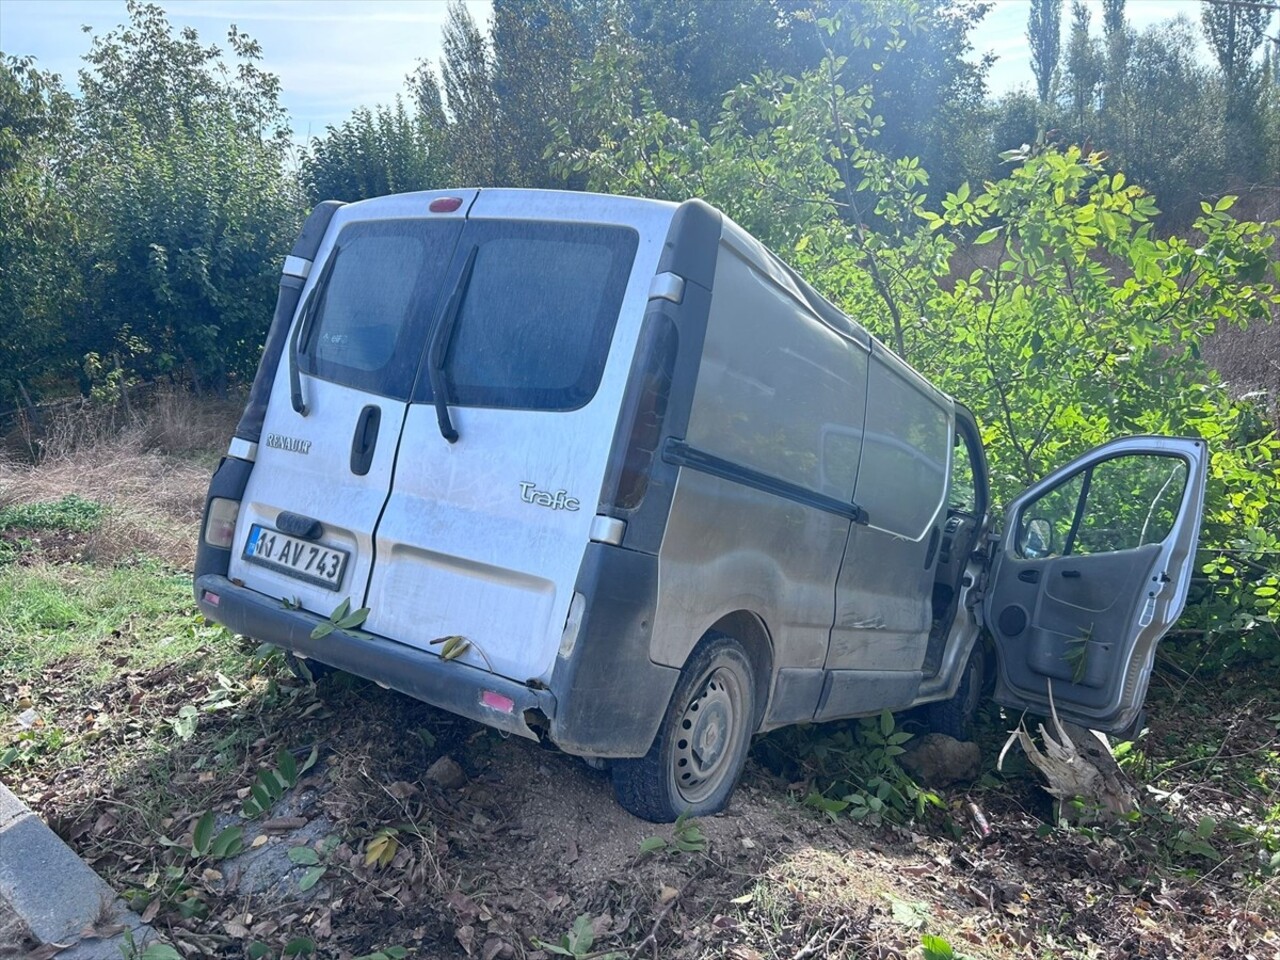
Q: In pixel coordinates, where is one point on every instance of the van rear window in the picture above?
(537, 314)
(376, 303)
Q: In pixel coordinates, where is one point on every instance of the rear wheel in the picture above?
(700, 749)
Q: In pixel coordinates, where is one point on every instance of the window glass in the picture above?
(376, 301)
(904, 462)
(537, 314)
(1119, 504)
(779, 391)
(962, 489)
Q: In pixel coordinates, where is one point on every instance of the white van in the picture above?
(666, 493)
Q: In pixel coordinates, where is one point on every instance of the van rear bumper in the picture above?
(457, 687)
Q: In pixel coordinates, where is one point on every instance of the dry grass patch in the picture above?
(149, 472)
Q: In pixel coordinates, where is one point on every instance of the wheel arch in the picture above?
(751, 632)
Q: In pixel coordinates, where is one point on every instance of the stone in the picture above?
(937, 760)
(446, 774)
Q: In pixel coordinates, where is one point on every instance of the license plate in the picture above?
(312, 562)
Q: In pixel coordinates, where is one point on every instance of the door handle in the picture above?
(1073, 574)
(1029, 576)
(365, 440)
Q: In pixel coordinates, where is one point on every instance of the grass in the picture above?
(135, 615)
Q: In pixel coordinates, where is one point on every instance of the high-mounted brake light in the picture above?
(445, 204)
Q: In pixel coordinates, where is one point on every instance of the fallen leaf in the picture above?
(46, 951)
(465, 935)
(667, 894)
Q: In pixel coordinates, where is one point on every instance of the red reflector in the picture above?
(497, 701)
(445, 204)
(212, 598)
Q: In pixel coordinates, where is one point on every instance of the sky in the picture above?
(335, 55)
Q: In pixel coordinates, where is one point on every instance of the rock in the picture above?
(936, 760)
(446, 773)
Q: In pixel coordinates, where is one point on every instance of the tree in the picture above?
(1085, 67)
(183, 192)
(376, 152)
(1078, 325)
(536, 50)
(1235, 32)
(39, 235)
(467, 73)
(1044, 36)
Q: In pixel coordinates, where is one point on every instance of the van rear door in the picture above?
(337, 406)
(1090, 573)
(482, 538)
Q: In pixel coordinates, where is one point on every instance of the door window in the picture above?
(537, 314)
(1122, 503)
(374, 301)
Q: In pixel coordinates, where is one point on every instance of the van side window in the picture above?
(904, 460)
(779, 391)
(374, 308)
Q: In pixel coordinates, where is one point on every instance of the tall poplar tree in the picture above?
(1044, 34)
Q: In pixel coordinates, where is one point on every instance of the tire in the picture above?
(955, 717)
(714, 706)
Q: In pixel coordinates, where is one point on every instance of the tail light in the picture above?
(658, 359)
(220, 522)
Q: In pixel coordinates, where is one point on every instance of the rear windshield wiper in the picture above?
(438, 351)
(302, 333)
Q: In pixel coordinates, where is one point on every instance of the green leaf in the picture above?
(353, 619)
(310, 761)
(322, 630)
(287, 766)
(299, 946)
(228, 843)
(202, 835)
(1205, 828)
(936, 948)
(986, 236)
(159, 951)
(310, 877)
(652, 844)
(582, 936)
(257, 950)
(886, 723)
(304, 856)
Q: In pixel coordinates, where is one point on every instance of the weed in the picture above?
(686, 837)
(72, 513)
(130, 950)
(854, 770)
(274, 781)
(308, 857)
(577, 943)
(342, 618)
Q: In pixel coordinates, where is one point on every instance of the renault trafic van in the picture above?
(658, 495)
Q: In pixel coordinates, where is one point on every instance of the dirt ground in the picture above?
(521, 841)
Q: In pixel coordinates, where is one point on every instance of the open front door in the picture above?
(1091, 571)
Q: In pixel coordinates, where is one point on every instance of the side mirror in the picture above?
(1035, 541)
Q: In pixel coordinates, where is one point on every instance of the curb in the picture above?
(55, 893)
